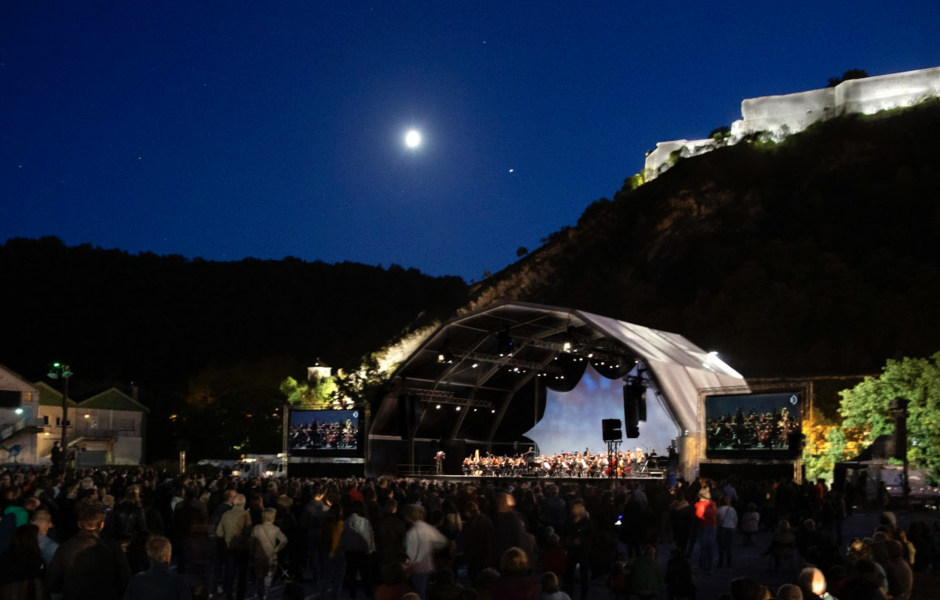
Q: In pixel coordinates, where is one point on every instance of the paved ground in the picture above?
(747, 561)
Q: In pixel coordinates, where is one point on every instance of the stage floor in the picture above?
(544, 480)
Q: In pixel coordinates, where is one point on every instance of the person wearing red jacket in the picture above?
(706, 519)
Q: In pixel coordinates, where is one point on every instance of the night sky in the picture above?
(270, 129)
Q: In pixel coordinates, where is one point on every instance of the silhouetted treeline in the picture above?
(161, 321)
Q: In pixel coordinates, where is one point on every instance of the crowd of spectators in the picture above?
(193, 536)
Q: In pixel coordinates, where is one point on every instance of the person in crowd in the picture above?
(750, 524)
(43, 522)
(86, 566)
(389, 534)
(136, 552)
(331, 553)
(191, 528)
(706, 523)
(680, 583)
(900, 575)
(218, 544)
(445, 586)
(789, 591)
(358, 544)
(553, 510)
(314, 514)
(646, 579)
(234, 529)
(812, 583)
(554, 557)
(394, 584)
(268, 541)
(128, 518)
(158, 582)
(22, 568)
(579, 541)
(514, 582)
(726, 519)
(634, 524)
(782, 545)
(58, 458)
(618, 581)
(509, 527)
(421, 541)
(681, 514)
(745, 588)
(477, 541)
(551, 589)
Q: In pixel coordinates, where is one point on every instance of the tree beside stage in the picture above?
(866, 406)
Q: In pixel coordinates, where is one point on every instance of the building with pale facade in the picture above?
(106, 429)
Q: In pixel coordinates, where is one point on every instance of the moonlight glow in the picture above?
(413, 139)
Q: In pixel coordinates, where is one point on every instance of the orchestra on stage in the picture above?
(621, 464)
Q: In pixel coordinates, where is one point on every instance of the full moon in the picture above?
(413, 139)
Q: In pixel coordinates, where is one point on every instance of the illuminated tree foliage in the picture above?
(318, 394)
(359, 385)
(827, 445)
(918, 380)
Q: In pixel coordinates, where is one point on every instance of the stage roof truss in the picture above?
(428, 394)
(677, 369)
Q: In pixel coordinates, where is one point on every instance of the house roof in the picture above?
(49, 396)
(10, 380)
(114, 399)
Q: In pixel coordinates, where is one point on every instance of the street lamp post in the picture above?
(898, 407)
(62, 371)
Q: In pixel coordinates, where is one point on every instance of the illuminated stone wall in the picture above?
(657, 161)
(791, 113)
(781, 115)
(873, 94)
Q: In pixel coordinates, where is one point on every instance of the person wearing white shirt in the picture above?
(421, 541)
(358, 542)
(727, 520)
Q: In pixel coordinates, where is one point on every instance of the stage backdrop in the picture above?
(572, 420)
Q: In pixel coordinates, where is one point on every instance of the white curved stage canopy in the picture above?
(464, 381)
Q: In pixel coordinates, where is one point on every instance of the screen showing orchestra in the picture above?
(756, 424)
(315, 432)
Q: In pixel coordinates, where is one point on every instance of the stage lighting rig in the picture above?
(504, 342)
(446, 356)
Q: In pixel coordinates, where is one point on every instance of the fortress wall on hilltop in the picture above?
(792, 113)
(660, 156)
(872, 94)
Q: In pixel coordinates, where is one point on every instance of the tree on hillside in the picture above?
(318, 394)
(918, 380)
(848, 75)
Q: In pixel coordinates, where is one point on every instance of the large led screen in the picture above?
(323, 432)
(572, 420)
(752, 425)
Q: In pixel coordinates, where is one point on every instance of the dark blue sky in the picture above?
(267, 129)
